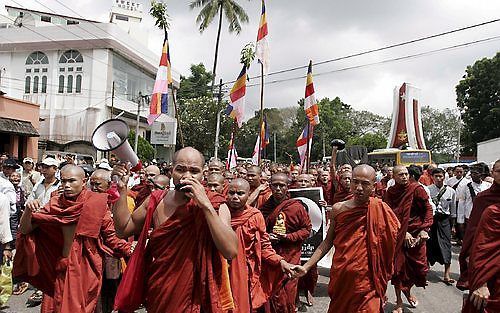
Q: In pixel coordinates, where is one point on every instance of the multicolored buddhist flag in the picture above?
(262, 46)
(310, 105)
(264, 134)
(301, 145)
(159, 98)
(236, 108)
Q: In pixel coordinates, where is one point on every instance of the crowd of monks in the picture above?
(202, 240)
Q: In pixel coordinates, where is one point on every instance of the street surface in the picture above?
(436, 298)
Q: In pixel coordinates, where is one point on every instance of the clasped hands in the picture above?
(411, 242)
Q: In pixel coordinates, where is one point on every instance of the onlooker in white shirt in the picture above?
(49, 183)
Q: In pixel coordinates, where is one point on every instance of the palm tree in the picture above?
(234, 13)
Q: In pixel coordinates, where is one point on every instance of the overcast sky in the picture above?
(322, 30)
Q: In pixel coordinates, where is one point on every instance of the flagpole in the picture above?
(261, 108)
(308, 148)
(231, 146)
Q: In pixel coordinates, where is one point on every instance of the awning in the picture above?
(17, 127)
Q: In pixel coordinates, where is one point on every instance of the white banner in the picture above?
(164, 133)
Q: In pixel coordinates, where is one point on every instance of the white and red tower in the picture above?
(406, 128)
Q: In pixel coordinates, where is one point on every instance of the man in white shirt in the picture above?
(5, 234)
(466, 194)
(49, 183)
(29, 177)
(457, 181)
(439, 244)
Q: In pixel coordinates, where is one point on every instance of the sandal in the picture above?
(449, 281)
(398, 310)
(35, 299)
(20, 288)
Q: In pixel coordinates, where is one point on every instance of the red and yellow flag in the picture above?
(310, 105)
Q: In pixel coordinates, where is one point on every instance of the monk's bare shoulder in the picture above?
(338, 208)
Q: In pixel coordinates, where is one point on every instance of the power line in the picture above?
(463, 45)
(377, 49)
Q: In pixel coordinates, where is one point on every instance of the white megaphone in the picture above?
(112, 136)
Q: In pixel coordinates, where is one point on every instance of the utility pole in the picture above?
(217, 129)
(324, 150)
(139, 100)
(112, 99)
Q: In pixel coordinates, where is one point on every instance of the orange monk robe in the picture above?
(365, 243)
(251, 289)
(483, 200)
(484, 262)
(426, 179)
(183, 270)
(411, 205)
(264, 195)
(73, 283)
(298, 228)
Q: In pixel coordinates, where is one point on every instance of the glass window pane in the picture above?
(70, 69)
(44, 84)
(61, 84)
(78, 83)
(69, 88)
(35, 84)
(27, 84)
(36, 70)
(44, 70)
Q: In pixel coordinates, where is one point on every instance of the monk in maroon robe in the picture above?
(410, 203)
(259, 192)
(340, 181)
(61, 246)
(484, 265)
(288, 225)
(184, 267)
(364, 232)
(251, 288)
(141, 191)
(481, 202)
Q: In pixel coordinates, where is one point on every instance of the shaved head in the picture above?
(153, 169)
(102, 174)
(398, 168)
(495, 172)
(191, 152)
(240, 183)
(72, 180)
(73, 169)
(365, 170)
(254, 168)
(162, 180)
(215, 182)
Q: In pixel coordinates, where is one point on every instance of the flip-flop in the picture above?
(412, 300)
(449, 282)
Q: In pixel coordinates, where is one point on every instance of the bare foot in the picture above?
(310, 299)
(398, 308)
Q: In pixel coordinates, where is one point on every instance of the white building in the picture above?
(69, 65)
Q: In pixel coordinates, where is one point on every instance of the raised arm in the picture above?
(25, 225)
(127, 224)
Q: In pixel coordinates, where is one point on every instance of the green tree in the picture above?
(478, 97)
(234, 13)
(198, 112)
(440, 131)
(371, 141)
(145, 150)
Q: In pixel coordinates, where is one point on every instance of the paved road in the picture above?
(436, 298)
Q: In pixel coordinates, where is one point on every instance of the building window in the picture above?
(71, 22)
(69, 88)
(78, 88)
(67, 68)
(36, 63)
(27, 84)
(121, 17)
(61, 84)
(35, 84)
(44, 84)
(46, 18)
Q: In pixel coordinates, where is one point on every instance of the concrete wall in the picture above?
(24, 111)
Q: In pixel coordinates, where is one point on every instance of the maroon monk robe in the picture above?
(381, 187)
(71, 284)
(365, 243)
(298, 227)
(481, 202)
(250, 288)
(327, 192)
(485, 260)
(140, 192)
(181, 268)
(411, 205)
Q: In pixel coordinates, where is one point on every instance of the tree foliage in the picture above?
(440, 131)
(478, 97)
(145, 150)
(158, 11)
(233, 12)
